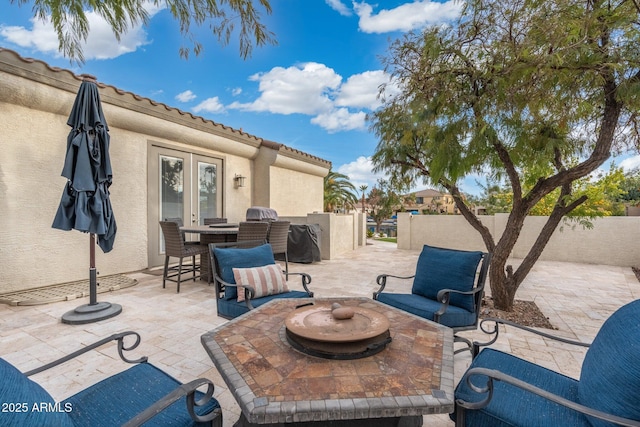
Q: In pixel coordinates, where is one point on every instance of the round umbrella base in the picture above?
(90, 313)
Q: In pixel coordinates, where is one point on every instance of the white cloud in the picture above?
(406, 17)
(340, 120)
(100, 44)
(236, 91)
(316, 90)
(339, 7)
(306, 89)
(361, 90)
(186, 96)
(210, 105)
(360, 172)
(630, 163)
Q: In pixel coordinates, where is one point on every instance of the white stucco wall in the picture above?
(612, 241)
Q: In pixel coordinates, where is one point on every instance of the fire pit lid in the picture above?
(315, 322)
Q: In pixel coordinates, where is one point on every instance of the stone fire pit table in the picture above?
(275, 384)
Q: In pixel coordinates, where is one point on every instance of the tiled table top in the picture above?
(273, 383)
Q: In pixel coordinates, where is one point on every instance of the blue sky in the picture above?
(311, 91)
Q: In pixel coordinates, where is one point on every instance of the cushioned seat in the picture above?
(609, 383)
(447, 288)
(231, 308)
(121, 396)
(253, 271)
(510, 403)
(426, 308)
(142, 392)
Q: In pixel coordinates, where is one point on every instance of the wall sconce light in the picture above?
(239, 180)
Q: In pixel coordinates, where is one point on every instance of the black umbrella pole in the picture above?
(93, 274)
(93, 311)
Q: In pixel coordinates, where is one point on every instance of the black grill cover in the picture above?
(304, 243)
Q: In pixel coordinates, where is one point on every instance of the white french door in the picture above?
(183, 185)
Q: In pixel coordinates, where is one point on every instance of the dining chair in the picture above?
(180, 223)
(174, 246)
(278, 238)
(209, 221)
(252, 233)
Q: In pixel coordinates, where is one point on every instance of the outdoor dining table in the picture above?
(214, 233)
(274, 383)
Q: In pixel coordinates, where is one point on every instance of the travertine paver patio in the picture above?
(577, 298)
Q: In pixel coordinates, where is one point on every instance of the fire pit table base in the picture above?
(408, 421)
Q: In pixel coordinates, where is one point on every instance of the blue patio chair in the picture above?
(447, 288)
(262, 280)
(499, 389)
(140, 394)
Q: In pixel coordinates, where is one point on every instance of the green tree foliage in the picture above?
(602, 192)
(533, 92)
(222, 17)
(363, 189)
(339, 192)
(630, 188)
(383, 201)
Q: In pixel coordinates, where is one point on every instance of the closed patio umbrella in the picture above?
(85, 204)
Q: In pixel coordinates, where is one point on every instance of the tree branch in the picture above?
(549, 227)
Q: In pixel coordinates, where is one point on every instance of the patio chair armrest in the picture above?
(444, 297)
(496, 330)
(305, 279)
(115, 337)
(248, 292)
(225, 284)
(381, 280)
(495, 375)
(188, 390)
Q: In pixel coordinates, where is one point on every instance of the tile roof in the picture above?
(159, 105)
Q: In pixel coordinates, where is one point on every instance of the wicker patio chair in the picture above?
(252, 233)
(174, 246)
(184, 237)
(278, 238)
(500, 389)
(141, 394)
(447, 288)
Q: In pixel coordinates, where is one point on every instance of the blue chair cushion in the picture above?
(119, 398)
(512, 406)
(26, 403)
(425, 308)
(440, 268)
(230, 258)
(233, 308)
(610, 377)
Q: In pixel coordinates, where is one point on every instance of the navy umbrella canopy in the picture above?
(85, 204)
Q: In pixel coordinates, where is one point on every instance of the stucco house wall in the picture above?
(35, 101)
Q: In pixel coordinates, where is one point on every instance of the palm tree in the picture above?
(363, 188)
(339, 192)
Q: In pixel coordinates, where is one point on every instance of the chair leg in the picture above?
(179, 274)
(469, 345)
(286, 266)
(193, 264)
(166, 270)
